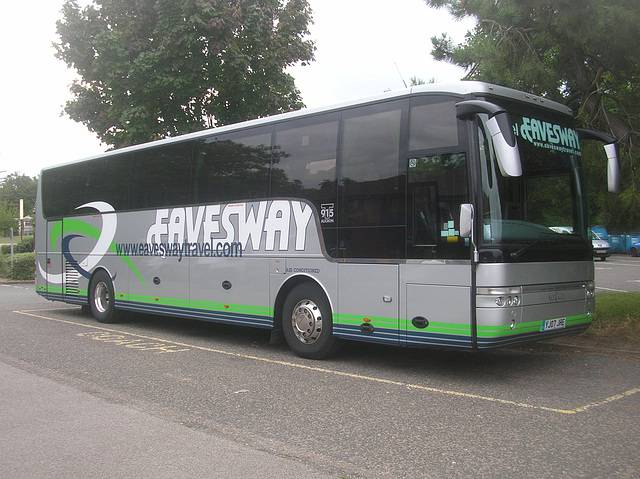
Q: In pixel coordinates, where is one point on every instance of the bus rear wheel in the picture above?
(102, 298)
(307, 322)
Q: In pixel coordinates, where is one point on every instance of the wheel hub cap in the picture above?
(101, 297)
(307, 321)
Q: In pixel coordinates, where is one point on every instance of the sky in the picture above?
(364, 47)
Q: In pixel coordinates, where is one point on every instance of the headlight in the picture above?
(508, 301)
(590, 289)
(504, 297)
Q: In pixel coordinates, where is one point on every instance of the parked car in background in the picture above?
(601, 248)
(634, 250)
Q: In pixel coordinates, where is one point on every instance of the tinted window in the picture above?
(232, 166)
(63, 190)
(108, 180)
(161, 176)
(371, 197)
(304, 166)
(433, 125)
(304, 159)
(67, 187)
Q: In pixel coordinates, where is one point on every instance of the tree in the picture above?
(579, 53)
(155, 68)
(8, 215)
(16, 186)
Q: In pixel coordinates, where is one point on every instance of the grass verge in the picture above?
(616, 321)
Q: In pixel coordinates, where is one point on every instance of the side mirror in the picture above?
(466, 227)
(504, 143)
(613, 170)
(501, 131)
(466, 220)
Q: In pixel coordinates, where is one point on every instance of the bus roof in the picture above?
(461, 88)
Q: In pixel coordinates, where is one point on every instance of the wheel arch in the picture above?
(106, 271)
(284, 291)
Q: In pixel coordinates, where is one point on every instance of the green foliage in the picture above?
(617, 318)
(627, 202)
(617, 308)
(13, 187)
(25, 246)
(156, 68)
(23, 266)
(8, 215)
(16, 186)
(579, 53)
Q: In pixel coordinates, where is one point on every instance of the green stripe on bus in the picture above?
(201, 305)
(394, 324)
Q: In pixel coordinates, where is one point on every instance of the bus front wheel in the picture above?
(102, 298)
(307, 323)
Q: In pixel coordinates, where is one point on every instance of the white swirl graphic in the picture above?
(108, 232)
(109, 225)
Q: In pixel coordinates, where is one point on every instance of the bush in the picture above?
(25, 246)
(23, 266)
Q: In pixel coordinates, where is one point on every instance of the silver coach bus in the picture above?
(418, 218)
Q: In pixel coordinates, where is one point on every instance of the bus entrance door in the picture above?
(62, 278)
(50, 265)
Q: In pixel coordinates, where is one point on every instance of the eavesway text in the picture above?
(548, 135)
(225, 230)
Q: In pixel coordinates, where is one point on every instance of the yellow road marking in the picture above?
(615, 397)
(579, 409)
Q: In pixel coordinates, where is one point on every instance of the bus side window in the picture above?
(305, 165)
(161, 177)
(102, 179)
(63, 189)
(433, 125)
(107, 179)
(232, 166)
(304, 160)
(371, 195)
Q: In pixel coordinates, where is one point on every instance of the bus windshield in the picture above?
(538, 216)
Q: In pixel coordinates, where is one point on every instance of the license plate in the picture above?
(552, 324)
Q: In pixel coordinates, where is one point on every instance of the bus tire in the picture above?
(102, 298)
(307, 322)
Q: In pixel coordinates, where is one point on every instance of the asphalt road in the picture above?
(168, 397)
(618, 273)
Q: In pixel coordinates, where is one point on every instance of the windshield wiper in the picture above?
(516, 254)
